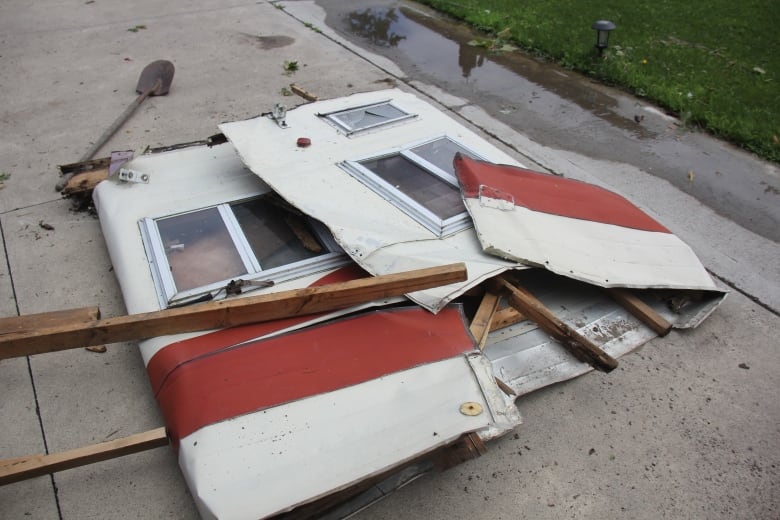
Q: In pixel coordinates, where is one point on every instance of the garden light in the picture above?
(603, 28)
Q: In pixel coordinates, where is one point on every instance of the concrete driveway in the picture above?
(687, 428)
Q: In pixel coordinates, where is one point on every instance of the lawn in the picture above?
(715, 63)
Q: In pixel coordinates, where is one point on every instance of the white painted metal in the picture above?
(602, 254)
(374, 232)
(182, 180)
(312, 447)
(261, 463)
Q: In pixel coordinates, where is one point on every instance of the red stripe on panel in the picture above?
(307, 362)
(551, 194)
(180, 352)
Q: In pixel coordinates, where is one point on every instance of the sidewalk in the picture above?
(678, 430)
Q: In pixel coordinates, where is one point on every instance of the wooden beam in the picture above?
(580, 346)
(480, 325)
(22, 468)
(226, 313)
(506, 317)
(641, 310)
(31, 322)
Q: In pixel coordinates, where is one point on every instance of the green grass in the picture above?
(714, 63)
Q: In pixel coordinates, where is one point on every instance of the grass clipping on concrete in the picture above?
(714, 63)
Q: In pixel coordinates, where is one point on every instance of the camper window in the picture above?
(419, 180)
(365, 117)
(197, 253)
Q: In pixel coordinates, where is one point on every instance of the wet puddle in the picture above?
(434, 47)
(560, 109)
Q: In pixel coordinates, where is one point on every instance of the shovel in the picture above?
(155, 80)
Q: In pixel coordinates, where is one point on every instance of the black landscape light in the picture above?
(603, 28)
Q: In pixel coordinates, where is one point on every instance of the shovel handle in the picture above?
(111, 130)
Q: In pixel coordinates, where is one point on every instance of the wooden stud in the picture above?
(32, 322)
(22, 468)
(226, 313)
(480, 325)
(580, 346)
(506, 317)
(469, 446)
(641, 310)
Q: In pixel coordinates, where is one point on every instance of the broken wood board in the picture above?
(580, 346)
(305, 94)
(641, 311)
(506, 317)
(226, 313)
(22, 468)
(480, 325)
(84, 182)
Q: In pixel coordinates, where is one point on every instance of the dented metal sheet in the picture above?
(373, 230)
(574, 229)
(331, 397)
(527, 358)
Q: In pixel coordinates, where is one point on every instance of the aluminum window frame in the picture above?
(165, 286)
(350, 130)
(417, 211)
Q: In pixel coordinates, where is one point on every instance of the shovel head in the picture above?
(156, 78)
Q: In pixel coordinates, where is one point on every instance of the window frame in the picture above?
(417, 211)
(165, 286)
(349, 130)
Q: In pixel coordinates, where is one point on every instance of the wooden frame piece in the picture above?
(22, 468)
(226, 313)
(31, 322)
(506, 317)
(641, 310)
(480, 325)
(580, 346)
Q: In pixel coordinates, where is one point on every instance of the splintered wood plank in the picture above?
(85, 166)
(506, 317)
(84, 182)
(22, 468)
(508, 390)
(226, 313)
(480, 325)
(641, 310)
(31, 322)
(580, 346)
(305, 94)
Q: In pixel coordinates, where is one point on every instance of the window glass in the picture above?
(360, 118)
(441, 153)
(276, 236)
(199, 249)
(420, 181)
(436, 195)
(195, 255)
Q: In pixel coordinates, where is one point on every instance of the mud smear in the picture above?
(561, 109)
(267, 42)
